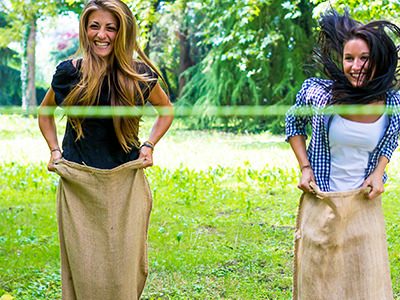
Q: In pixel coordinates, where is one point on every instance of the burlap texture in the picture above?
(340, 248)
(103, 218)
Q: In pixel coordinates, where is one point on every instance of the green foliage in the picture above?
(28, 236)
(10, 85)
(207, 233)
(215, 233)
(245, 52)
(255, 50)
(220, 233)
(146, 15)
(363, 10)
(20, 17)
(163, 46)
(20, 13)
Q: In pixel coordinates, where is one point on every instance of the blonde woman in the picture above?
(103, 198)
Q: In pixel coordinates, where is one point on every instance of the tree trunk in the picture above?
(185, 60)
(28, 67)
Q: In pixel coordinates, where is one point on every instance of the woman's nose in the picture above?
(357, 65)
(101, 34)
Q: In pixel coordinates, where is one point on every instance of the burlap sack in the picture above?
(103, 217)
(340, 248)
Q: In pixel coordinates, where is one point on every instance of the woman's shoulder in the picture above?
(151, 77)
(66, 65)
(316, 90)
(69, 67)
(144, 69)
(67, 75)
(317, 83)
(393, 97)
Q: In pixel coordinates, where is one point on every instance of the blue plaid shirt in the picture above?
(317, 93)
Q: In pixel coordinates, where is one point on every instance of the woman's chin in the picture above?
(357, 83)
(103, 53)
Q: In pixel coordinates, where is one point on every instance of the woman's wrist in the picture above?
(55, 149)
(307, 166)
(148, 144)
(378, 173)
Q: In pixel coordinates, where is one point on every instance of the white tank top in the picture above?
(351, 144)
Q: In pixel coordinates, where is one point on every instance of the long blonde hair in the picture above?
(119, 70)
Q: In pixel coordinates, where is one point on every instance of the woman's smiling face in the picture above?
(102, 29)
(355, 61)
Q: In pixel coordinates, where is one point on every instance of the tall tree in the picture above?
(21, 26)
(173, 42)
(254, 51)
(10, 85)
(147, 13)
(154, 18)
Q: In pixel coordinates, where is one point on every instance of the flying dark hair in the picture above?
(382, 72)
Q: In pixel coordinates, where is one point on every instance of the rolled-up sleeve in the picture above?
(389, 149)
(295, 124)
(392, 133)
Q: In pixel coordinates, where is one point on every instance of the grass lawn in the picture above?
(21, 141)
(221, 226)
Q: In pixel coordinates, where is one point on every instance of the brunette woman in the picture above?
(346, 158)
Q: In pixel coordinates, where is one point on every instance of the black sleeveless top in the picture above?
(99, 147)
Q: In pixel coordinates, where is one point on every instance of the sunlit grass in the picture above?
(21, 141)
(221, 226)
